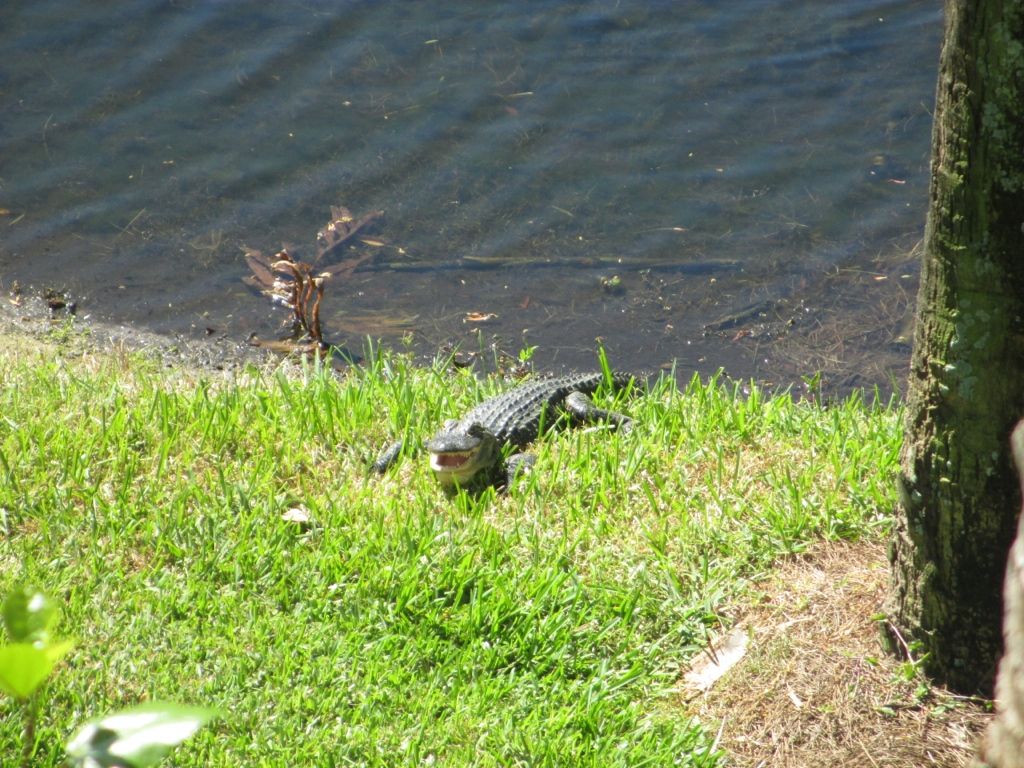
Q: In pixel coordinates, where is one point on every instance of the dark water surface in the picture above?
(721, 184)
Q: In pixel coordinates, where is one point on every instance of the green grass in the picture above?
(547, 626)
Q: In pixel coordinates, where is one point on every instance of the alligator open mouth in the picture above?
(447, 462)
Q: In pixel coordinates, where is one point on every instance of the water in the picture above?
(716, 184)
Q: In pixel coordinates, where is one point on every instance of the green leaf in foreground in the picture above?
(23, 666)
(138, 737)
(28, 615)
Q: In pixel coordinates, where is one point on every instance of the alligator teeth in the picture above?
(448, 461)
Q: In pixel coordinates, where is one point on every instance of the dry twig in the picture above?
(289, 282)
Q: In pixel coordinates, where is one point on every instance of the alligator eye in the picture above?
(476, 429)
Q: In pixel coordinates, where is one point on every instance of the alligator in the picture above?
(468, 450)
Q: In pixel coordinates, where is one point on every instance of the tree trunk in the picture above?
(1004, 743)
(959, 497)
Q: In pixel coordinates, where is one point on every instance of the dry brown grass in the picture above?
(815, 688)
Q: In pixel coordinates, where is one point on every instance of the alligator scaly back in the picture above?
(516, 417)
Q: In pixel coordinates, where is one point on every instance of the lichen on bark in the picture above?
(959, 495)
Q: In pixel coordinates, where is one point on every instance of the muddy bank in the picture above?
(58, 318)
(848, 329)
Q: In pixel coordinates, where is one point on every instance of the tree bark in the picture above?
(959, 496)
(1004, 742)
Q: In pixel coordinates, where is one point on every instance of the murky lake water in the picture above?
(720, 184)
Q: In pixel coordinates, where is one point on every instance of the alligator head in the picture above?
(458, 453)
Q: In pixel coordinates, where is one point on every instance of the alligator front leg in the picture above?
(388, 458)
(517, 465)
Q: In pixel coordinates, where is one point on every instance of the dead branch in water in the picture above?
(291, 283)
(339, 229)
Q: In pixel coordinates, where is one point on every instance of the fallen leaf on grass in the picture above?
(716, 660)
(797, 701)
(298, 516)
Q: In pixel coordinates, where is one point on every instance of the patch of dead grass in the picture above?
(815, 687)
